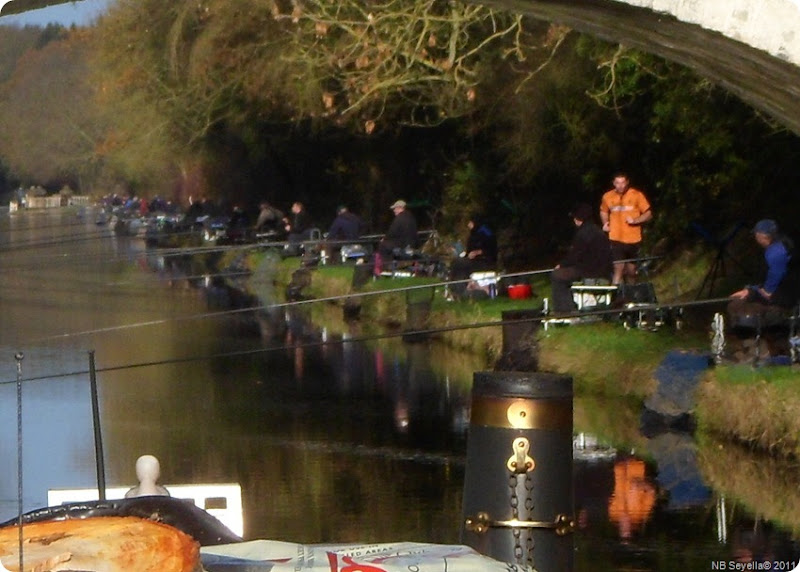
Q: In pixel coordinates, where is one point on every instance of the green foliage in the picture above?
(696, 146)
(461, 196)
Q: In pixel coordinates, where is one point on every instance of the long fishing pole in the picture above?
(537, 318)
(283, 305)
(206, 249)
(267, 307)
(102, 257)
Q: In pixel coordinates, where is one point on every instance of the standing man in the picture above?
(589, 256)
(623, 210)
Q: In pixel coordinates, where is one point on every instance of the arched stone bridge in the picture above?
(750, 47)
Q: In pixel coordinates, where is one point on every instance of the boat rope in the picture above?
(19, 357)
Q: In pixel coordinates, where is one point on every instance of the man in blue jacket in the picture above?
(779, 287)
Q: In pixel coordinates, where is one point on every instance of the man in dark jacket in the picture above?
(589, 256)
(346, 226)
(402, 232)
(480, 255)
(299, 224)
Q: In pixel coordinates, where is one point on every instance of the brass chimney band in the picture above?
(481, 523)
(516, 413)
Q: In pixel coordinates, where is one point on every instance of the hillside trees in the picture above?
(48, 129)
(13, 43)
(346, 62)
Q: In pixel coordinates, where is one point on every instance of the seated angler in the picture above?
(346, 228)
(298, 228)
(269, 219)
(589, 256)
(779, 291)
(480, 255)
(402, 234)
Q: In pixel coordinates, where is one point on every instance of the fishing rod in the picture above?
(538, 318)
(175, 251)
(104, 234)
(20, 246)
(283, 305)
(297, 303)
(26, 278)
(72, 257)
(13, 228)
(268, 307)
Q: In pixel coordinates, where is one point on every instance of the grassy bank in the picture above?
(757, 407)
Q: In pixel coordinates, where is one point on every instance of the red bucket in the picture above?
(519, 291)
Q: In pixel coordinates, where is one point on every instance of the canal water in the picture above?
(331, 440)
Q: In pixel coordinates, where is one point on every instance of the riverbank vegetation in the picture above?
(756, 407)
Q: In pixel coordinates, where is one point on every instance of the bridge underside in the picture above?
(766, 82)
(20, 6)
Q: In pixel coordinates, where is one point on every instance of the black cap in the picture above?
(582, 212)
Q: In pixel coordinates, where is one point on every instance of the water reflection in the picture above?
(714, 502)
(331, 439)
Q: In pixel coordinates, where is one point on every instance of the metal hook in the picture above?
(520, 462)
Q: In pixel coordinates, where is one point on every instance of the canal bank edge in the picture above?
(757, 407)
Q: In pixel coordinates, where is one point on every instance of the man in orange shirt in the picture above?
(623, 210)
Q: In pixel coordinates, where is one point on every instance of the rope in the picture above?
(19, 356)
